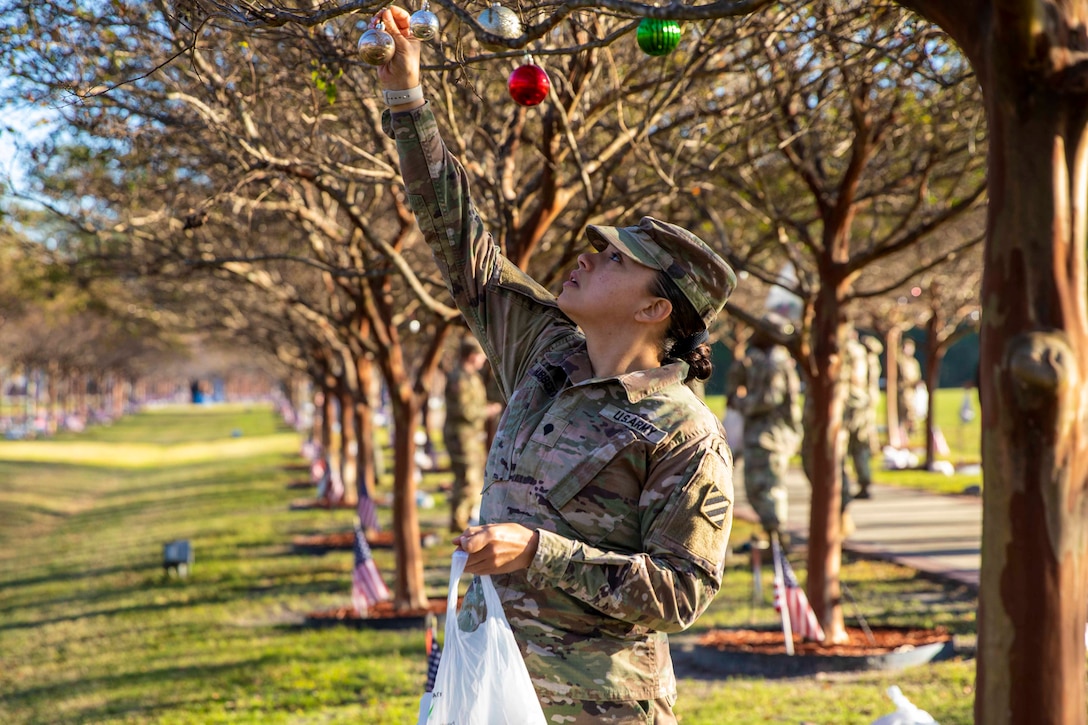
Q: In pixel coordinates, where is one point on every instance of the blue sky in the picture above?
(18, 127)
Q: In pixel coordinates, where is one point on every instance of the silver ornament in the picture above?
(423, 23)
(376, 46)
(500, 21)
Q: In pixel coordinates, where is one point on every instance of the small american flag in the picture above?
(802, 619)
(434, 653)
(324, 480)
(367, 587)
(368, 512)
(318, 470)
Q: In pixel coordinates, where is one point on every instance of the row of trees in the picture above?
(229, 161)
(74, 349)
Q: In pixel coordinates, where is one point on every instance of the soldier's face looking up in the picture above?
(606, 288)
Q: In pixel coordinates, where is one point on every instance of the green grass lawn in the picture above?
(92, 631)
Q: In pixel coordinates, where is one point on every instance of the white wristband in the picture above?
(399, 98)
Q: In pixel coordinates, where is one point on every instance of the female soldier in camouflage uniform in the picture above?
(608, 491)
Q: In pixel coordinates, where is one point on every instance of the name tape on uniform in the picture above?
(639, 425)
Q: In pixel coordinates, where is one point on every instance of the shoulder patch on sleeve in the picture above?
(700, 515)
(715, 506)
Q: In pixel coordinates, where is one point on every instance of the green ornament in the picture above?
(658, 37)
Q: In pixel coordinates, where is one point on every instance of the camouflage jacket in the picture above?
(627, 479)
(858, 376)
(772, 402)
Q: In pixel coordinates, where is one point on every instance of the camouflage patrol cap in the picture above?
(704, 277)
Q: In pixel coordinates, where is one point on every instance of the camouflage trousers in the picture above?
(563, 711)
(765, 485)
(859, 450)
(468, 483)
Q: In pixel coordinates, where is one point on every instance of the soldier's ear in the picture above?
(656, 310)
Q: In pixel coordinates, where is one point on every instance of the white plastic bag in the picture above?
(424, 708)
(482, 678)
(906, 713)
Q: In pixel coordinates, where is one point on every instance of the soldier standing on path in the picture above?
(464, 431)
(862, 379)
(765, 388)
(910, 380)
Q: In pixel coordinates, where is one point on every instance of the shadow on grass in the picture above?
(187, 688)
(159, 676)
(179, 505)
(74, 576)
(221, 592)
(28, 513)
(217, 477)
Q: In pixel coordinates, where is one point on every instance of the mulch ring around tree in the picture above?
(762, 652)
(381, 616)
(345, 541)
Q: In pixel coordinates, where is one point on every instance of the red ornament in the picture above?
(528, 85)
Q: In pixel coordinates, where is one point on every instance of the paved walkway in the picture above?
(932, 533)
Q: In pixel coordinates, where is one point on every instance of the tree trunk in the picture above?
(1033, 367)
(77, 393)
(1034, 386)
(28, 417)
(100, 404)
(349, 443)
(139, 391)
(891, 386)
(364, 427)
(934, 348)
(53, 411)
(934, 358)
(824, 445)
(317, 420)
(297, 392)
(328, 412)
(117, 396)
(409, 590)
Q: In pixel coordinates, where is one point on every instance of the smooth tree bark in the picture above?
(348, 395)
(893, 338)
(327, 406)
(825, 450)
(363, 420)
(1033, 596)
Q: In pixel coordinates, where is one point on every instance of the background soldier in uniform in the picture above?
(862, 379)
(464, 431)
(765, 387)
(910, 378)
